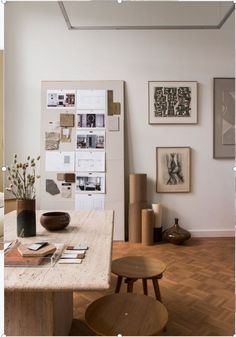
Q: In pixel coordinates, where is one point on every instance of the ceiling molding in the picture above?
(162, 27)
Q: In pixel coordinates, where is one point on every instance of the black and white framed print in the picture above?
(172, 102)
(173, 169)
(224, 118)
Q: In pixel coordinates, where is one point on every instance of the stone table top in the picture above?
(92, 228)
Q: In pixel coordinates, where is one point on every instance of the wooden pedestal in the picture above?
(38, 313)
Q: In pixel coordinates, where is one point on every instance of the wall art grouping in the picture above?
(172, 102)
(173, 168)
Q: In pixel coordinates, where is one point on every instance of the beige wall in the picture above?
(1, 119)
(48, 51)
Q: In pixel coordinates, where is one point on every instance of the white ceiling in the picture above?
(145, 13)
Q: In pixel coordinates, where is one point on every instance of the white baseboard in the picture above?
(213, 233)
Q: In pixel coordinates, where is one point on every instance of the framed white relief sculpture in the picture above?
(224, 118)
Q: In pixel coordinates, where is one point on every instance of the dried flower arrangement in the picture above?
(22, 177)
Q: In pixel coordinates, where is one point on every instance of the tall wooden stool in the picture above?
(133, 268)
(126, 314)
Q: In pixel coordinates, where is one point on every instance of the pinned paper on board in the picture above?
(67, 120)
(51, 187)
(60, 161)
(61, 176)
(60, 99)
(113, 123)
(52, 140)
(87, 202)
(91, 100)
(90, 120)
(90, 139)
(69, 177)
(90, 161)
(66, 190)
(66, 135)
(90, 182)
(113, 107)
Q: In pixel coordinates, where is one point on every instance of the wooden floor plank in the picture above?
(197, 287)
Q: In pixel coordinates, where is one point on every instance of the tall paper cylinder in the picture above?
(135, 221)
(157, 209)
(147, 226)
(137, 187)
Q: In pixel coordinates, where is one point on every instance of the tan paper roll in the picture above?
(135, 221)
(147, 227)
(157, 209)
(137, 188)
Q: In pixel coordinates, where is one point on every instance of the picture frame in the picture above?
(173, 169)
(224, 118)
(172, 102)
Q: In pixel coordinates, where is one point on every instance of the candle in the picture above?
(157, 209)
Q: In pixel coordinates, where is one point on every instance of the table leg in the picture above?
(156, 289)
(38, 313)
(145, 288)
(118, 284)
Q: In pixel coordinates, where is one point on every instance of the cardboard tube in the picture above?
(157, 209)
(135, 221)
(137, 188)
(147, 226)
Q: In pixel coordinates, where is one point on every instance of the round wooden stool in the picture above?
(126, 314)
(133, 268)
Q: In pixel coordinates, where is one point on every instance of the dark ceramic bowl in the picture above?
(54, 221)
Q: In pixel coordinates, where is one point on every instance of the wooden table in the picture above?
(39, 301)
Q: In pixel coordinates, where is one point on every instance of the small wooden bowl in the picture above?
(55, 221)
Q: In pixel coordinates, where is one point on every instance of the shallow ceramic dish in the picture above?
(54, 221)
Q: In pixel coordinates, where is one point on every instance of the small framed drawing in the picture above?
(173, 169)
(172, 102)
(224, 118)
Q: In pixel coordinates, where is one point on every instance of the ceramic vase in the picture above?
(176, 234)
(26, 218)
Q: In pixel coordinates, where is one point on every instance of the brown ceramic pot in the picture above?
(54, 221)
(176, 234)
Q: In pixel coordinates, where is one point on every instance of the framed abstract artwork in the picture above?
(224, 118)
(173, 169)
(172, 102)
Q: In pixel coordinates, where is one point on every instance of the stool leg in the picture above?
(118, 284)
(156, 289)
(145, 288)
(130, 284)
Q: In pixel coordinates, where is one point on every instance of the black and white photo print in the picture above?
(172, 102)
(173, 169)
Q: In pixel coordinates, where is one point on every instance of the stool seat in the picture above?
(126, 314)
(138, 267)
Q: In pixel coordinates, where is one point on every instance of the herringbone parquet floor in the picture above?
(197, 287)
